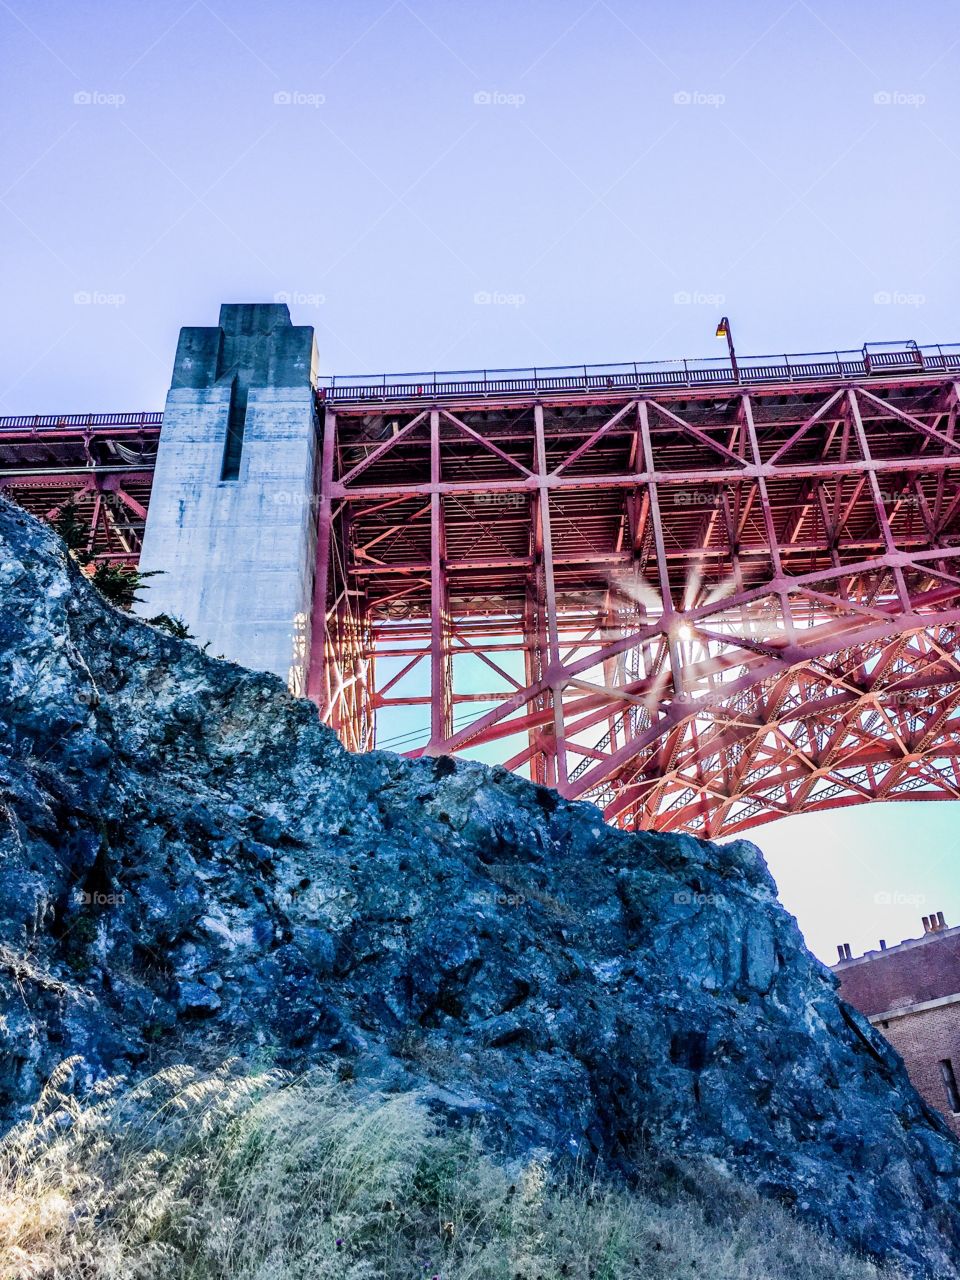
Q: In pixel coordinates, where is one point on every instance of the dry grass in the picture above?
(226, 1176)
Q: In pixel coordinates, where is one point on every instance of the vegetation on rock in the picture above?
(119, 584)
(173, 626)
(69, 526)
(225, 1176)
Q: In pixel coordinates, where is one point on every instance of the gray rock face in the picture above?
(193, 867)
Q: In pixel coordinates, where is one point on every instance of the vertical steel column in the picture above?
(663, 572)
(553, 630)
(613, 668)
(536, 642)
(346, 711)
(638, 507)
(94, 522)
(440, 719)
(950, 433)
(318, 677)
(537, 639)
(532, 659)
(883, 519)
(786, 609)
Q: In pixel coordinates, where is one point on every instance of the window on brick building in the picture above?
(950, 1084)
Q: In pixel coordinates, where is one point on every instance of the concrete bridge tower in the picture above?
(231, 525)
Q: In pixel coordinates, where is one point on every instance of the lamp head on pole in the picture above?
(723, 328)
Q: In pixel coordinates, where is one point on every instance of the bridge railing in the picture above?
(50, 421)
(872, 360)
(905, 358)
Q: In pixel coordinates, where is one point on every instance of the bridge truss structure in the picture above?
(701, 597)
(100, 464)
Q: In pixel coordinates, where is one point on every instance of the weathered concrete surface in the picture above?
(193, 867)
(236, 555)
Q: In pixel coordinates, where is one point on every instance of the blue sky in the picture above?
(618, 174)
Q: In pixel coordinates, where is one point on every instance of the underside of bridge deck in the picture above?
(100, 465)
(700, 609)
(702, 598)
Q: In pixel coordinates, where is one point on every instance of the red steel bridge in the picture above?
(702, 596)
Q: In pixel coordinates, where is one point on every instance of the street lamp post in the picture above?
(724, 331)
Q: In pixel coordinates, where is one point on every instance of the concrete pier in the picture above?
(231, 524)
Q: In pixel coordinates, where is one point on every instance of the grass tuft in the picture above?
(231, 1176)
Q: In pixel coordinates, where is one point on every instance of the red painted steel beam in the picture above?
(704, 603)
(749, 466)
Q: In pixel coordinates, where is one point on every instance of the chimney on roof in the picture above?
(883, 944)
(843, 951)
(941, 922)
(926, 924)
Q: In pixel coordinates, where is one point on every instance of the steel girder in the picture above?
(100, 463)
(701, 610)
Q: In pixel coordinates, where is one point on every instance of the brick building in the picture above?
(911, 994)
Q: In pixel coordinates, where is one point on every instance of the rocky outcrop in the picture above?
(193, 867)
